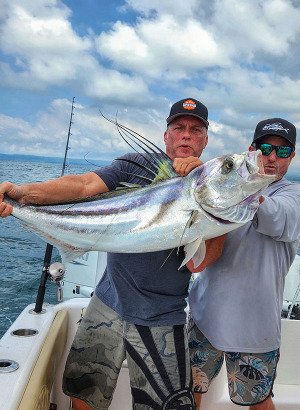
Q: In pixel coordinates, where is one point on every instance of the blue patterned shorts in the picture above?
(250, 375)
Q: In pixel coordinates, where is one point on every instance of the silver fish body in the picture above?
(213, 199)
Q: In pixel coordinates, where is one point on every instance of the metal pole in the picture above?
(49, 248)
(68, 138)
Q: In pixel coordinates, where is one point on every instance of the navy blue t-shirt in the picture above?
(136, 285)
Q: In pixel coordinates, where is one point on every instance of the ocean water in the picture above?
(22, 252)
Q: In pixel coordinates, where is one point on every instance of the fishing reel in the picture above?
(290, 310)
(55, 274)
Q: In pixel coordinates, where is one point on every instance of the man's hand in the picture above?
(12, 190)
(183, 166)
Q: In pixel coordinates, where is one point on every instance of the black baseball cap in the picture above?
(189, 106)
(278, 127)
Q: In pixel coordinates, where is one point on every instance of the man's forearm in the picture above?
(66, 187)
(59, 189)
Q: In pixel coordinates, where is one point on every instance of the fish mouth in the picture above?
(259, 160)
(254, 163)
(253, 168)
(242, 212)
(214, 217)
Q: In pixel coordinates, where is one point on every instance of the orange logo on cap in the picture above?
(189, 105)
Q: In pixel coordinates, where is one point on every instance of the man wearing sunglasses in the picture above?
(276, 139)
(236, 302)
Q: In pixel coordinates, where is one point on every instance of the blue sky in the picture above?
(135, 58)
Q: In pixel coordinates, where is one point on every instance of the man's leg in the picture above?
(159, 367)
(96, 357)
(206, 361)
(265, 405)
(251, 377)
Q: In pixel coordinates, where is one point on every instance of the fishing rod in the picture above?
(56, 273)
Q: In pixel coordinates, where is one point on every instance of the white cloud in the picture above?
(91, 133)
(56, 55)
(245, 28)
(161, 47)
(169, 7)
(181, 39)
(240, 91)
(47, 33)
(240, 58)
(240, 26)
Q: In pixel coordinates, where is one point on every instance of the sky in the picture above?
(132, 59)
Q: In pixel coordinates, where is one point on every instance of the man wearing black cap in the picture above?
(137, 312)
(236, 302)
(186, 134)
(276, 160)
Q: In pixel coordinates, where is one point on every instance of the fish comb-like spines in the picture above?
(154, 155)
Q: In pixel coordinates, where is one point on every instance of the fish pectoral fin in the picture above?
(195, 250)
(187, 226)
(199, 255)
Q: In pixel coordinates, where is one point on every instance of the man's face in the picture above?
(186, 136)
(274, 165)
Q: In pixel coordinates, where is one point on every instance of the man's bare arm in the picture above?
(63, 188)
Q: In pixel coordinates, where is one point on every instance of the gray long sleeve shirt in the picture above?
(237, 301)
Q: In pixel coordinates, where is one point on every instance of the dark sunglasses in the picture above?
(281, 150)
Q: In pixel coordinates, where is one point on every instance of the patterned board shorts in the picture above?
(157, 358)
(250, 375)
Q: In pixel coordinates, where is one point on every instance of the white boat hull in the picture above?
(37, 381)
(41, 357)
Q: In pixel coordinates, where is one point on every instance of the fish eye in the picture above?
(228, 164)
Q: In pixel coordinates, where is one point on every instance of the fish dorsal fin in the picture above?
(138, 165)
(148, 180)
(165, 171)
(130, 185)
(154, 155)
(195, 249)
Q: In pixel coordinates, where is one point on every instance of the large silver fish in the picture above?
(215, 198)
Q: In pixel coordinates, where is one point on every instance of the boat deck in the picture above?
(41, 358)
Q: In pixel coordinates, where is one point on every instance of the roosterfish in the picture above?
(170, 211)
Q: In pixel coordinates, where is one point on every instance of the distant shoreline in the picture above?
(73, 161)
(52, 160)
